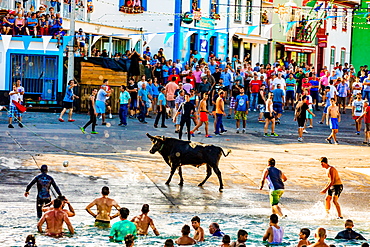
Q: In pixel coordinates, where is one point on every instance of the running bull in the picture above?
(177, 153)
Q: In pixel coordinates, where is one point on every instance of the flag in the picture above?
(318, 7)
(309, 3)
(290, 25)
(20, 107)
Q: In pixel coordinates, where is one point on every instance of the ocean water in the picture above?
(18, 221)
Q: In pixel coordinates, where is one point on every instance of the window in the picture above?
(343, 56)
(214, 11)
(194, 5)
(344, 20)
(335, 13)
(248, 12)
(238, 11)
(332, 55)
(132, 7)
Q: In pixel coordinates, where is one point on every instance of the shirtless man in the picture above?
(320, 236)
(269, 116)
(199, 232)
(54, 221)
(203, 117)
(70, 211)
(143, 221)
(333, 187)
(185, 239)
(104, 206)
(334, 115)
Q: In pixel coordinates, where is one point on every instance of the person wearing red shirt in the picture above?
(255, 86)
(174, 75)
(306, 84)
(191, 77)
(366, 115)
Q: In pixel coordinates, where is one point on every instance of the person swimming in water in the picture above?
(274, 234)
(54, 221)
(70, 211)
(104, 206)
(44, 182)
(143, 221)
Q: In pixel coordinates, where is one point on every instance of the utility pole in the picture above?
(72, 28)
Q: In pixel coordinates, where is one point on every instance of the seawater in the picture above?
(17, 221)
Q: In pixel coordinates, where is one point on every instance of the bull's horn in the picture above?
(151, 137)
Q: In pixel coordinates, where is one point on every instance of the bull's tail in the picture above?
(228, 152)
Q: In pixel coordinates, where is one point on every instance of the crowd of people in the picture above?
(40, 22)
(54, 214)
(197, 91)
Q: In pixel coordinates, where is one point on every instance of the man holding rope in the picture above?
(44, 183)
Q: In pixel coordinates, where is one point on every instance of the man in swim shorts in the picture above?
(275, 179)
(104, 206)
(333, 187)
(203, 116)
(332, 119)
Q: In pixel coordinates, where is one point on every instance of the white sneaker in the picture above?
(100, 117)
(300, 139)
(199, 132)
(110, 115)
(305, 131)
(237, 130)
(243, 131)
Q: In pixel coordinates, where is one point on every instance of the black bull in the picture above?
(177, 153)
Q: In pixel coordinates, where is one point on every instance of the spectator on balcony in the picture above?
(104, 53)
(147, 52)
(59, 36)
(57, 24)
(19, 9)
(52, 11)
(42, 10)
(32, 24)
(43, 25)
(19, 24)
(81, 41)
(8, 23)
(55, 3)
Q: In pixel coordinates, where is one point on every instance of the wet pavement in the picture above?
(118, 157)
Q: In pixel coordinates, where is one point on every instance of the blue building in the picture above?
(37, 63)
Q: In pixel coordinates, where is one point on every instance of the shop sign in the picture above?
(187, 18)
(322, 41)
(203, 45)
(299, 49)
(206, 23)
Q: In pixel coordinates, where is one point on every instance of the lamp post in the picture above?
(71, 61)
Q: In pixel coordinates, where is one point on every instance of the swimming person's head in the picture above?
(44, 169)
(124, 212)
(185, 230)
(348, 224)
(304, 233)
(57, 203)
(274, 219)
(195, 222)
(105, 191)
(168, 243)
(242, 235)
(226, 239)
(129, 240)
(145, 209)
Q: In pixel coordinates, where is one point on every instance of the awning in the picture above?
(305, 49)
(252, 39)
